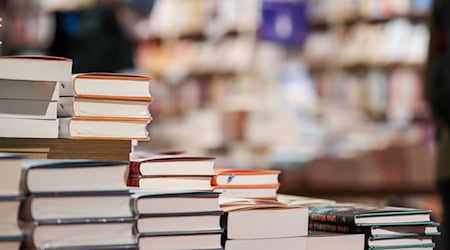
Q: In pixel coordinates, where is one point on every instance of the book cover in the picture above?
(362, 214)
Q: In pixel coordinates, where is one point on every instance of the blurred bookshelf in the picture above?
(340, 110)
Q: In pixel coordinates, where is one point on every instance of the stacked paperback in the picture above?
(384, 227)
(29, 94)
(105, 106)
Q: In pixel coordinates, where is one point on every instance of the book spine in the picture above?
(317, 226)
(133, 181)
(135, 168)
(334, 219)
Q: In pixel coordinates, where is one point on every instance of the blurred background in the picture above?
(330, 92)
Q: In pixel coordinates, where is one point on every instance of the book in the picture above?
(176, 164)
(363, 214)
(60, 148)
(289, 243)
(296, 200)
(28, 128)
(38, 68)
(51, 175)
(185, 223)
(79, 234)
(103, 128)
(241, 177)
(28, 109)
(90, 107)
(9, 214)
(174, 202)
(11, 173)
(324, 240)
(265, 221)
(268, 192)
(399, 242)
(77, 205)
(199, 241)
(404, 230)
(11, 242)
(170, 182)
(108, 86)
(29, 90)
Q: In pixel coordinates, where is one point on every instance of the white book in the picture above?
(289, 243)
(78, 106)
(28, 109)
(108, 85)
(36, 68)
(103, 128)
(28, 128)
(29, 90)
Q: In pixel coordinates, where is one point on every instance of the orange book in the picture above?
(108, 86)
(245, 178)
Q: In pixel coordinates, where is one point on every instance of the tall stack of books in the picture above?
(11, 196)
(174, 203)
(77, 204)
(384, 227)
(29, 92)
(105, 106)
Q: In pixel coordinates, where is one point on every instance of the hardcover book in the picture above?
(172, 164)
(38, 68)
(79, 234)
(9, 214)
(241, 177)
(199, 241)
(47, 176)
(77, 205)
(104, 128)
(289, 243)
(29, 90)
(108, 86)
(364, 215)
(11, 242)
(174, 202)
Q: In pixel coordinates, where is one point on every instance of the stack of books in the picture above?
(174, 203)
(246, 183)
(105, 106)
(178, 220)
(384, 227)
(11, 196)
(171, 172)
(29, 93)
(77, 204)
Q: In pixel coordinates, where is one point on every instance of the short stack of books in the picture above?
(11, 196)
(29, 93)
(384, 227)
(174, 203)
(77, 204)
(105, 106)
